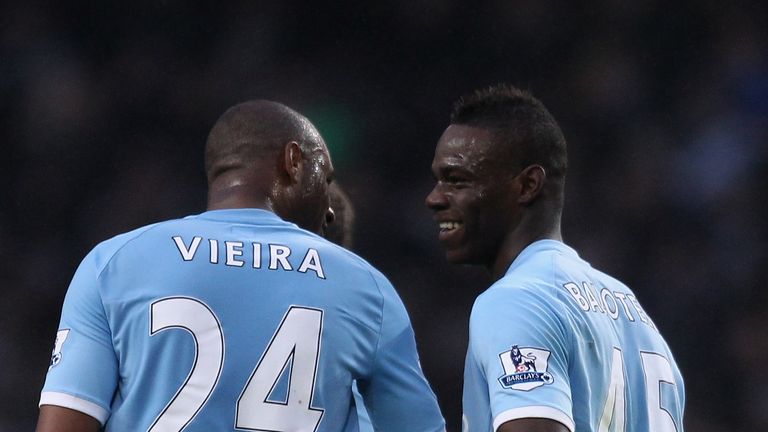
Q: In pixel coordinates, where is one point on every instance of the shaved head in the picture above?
(262, 154)
(255, 131)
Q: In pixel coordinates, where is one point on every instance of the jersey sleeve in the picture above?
(519, 343)
(83, 372)
(396, 394)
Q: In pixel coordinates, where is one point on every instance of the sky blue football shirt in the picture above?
(235, 320)
(555, 338)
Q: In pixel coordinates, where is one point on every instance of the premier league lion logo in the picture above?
(524, 368)
(522, 363)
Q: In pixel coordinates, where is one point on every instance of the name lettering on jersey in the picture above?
(611, 303)
(279, 257)
(525, 368)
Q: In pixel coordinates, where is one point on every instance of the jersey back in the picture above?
(556, 338)
(232, 320)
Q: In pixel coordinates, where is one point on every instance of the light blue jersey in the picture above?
(235, 320)
(363, 419)
(555, 338)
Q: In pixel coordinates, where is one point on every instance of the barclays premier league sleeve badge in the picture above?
(524, 368)
(61, 336)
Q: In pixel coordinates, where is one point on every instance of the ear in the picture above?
(531, 181)
(292, 160)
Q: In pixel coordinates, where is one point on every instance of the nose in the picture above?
(436, 199)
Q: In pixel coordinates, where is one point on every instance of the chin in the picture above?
(457, 257)
(465, 257)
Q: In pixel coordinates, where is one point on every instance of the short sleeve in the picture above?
(397, 395)
(83, 372)
(518, 339)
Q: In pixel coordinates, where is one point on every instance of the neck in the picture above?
(237, 192)
(237, 202)
(530, 230)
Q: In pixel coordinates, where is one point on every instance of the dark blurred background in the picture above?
(105, 107)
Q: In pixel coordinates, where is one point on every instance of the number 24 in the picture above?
(297, 336)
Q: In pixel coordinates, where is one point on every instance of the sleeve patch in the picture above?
(525, 368)
(61, 337)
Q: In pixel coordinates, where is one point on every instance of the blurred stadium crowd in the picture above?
(106, 107)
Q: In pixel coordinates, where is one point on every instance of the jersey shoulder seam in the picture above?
(130, 236)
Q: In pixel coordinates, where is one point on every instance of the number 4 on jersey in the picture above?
(292, 340)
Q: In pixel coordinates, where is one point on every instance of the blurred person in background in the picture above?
(554, 344)
(341, 229)
(278, 322)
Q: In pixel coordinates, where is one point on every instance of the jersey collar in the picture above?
(244, 215)
(546, 245)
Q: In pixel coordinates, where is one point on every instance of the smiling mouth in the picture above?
(446, 227)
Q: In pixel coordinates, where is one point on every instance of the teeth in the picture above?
(447, 226)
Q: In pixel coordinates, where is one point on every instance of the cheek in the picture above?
(315, 186)
(473, 206)
(484, 217)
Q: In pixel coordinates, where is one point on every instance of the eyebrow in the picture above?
(446, 170)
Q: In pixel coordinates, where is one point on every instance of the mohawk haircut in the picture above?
(521, 124)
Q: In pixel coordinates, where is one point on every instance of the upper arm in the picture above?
(532, 425)
(58, 419)
(521, 347)
(396, 392)
(84, 343)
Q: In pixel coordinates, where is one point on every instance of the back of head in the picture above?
(262, 154)
(524, 129)
(253, 131)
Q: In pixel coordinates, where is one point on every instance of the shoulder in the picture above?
(356, 271)
(104, 252)
(515, 299)
(351, 262)
(529, 293)
(519, 290)
(536, 275)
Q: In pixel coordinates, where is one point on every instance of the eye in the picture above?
(456, 180)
